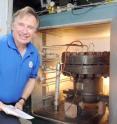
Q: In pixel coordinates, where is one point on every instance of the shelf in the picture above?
(88, 15)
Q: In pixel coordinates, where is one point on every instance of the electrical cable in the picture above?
(68, 45)
(89, 9)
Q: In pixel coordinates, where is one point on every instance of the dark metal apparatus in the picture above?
(86, 68)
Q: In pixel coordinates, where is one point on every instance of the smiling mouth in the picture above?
(24, 37)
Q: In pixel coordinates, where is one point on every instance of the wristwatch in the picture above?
(24, 99)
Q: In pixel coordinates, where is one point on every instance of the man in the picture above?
(19, 63)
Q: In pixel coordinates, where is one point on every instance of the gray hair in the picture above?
(24, 11)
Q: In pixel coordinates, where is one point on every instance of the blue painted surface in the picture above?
(90, 14)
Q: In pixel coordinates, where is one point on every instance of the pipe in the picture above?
(57, 86)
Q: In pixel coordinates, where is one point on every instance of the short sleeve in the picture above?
(36, 66)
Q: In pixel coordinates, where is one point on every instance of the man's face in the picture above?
(24, 28)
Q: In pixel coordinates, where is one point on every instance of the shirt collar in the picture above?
(11, 42)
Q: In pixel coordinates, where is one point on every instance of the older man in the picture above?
(19, 63)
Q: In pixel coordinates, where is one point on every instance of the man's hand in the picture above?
(20, 104)
(1, 106)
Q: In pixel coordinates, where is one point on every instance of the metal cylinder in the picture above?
(91, 89)
(87, 63)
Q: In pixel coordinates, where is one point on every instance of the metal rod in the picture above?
(57, 86)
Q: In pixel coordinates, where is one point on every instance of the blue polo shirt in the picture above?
(15, 70)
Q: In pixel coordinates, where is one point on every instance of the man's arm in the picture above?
(27, 92)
